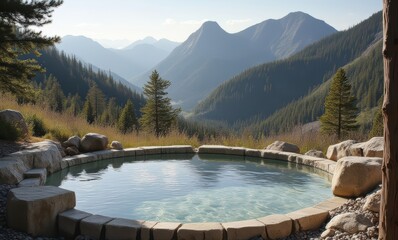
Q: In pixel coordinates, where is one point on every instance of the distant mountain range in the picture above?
(211, 56)
(128, 62)
(284, 93)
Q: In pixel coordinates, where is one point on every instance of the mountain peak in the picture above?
(211, 26)
(298, 14)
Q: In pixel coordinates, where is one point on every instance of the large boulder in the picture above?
(41, 155)
(350, 222)
(15, 118)
(356, 176)
(339, 150)
(34, 210)
(283, 147)
(372, 148)
(93, 142)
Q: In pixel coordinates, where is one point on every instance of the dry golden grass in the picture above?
(63, 125)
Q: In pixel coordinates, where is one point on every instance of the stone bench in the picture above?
(34, 210)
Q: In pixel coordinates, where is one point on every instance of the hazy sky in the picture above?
(130, 20)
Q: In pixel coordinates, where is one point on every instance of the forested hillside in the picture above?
(262, 90)
(366, 77)
(76, 77)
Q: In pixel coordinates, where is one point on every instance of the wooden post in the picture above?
(388, 226)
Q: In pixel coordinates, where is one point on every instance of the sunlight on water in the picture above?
(205, 188)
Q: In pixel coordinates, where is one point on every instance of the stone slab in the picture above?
(146, 228)
(308, 218)
(30, 182)
(69, 223)
(105, 154)
(129, 152)
(123, 229)
(37, 173)
(34, 210)
(277, 225)
(220, 149)
(165, 230)
(243, 230)
(276, 155)
(328, 205)
(93, 226)
(252, 152)
(152, 150)
(177, 149)
(200, 231)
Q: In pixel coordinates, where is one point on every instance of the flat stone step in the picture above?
(37, 173)
(30, 182)
(34, 210)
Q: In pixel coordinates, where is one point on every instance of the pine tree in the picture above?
(111, 113)
(127, 120)
(97, 100)
(377, 124)
(53, 96)
(88, 112)
(157, 115)
(17, 39)
(74, 104)
(340, 110)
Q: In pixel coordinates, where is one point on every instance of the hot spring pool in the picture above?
(192, 188)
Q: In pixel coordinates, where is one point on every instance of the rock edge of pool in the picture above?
(53, 213)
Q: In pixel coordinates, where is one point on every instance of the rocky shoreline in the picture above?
(352, 206)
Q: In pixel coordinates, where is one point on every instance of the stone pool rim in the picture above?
(268, 227)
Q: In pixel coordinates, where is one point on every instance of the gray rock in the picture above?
(73, 141)
(283, 147)
(15, 118)
(350, 223)
(339, 150)
(373, 202)
(44, 155)
(116, 145)
(356, 176)
(328, 233)
(59, 146)
(12, 170)
(93, 142)
(315, 153)
(72, 150)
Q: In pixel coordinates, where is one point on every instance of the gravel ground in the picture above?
(354, 205)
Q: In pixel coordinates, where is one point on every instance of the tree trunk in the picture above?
(388, 226)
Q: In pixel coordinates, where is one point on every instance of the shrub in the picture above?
(9, 131)
(36, 126)
(57, 134)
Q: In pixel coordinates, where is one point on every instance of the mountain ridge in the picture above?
(278, 83)
(211, 55)
(126, 62)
